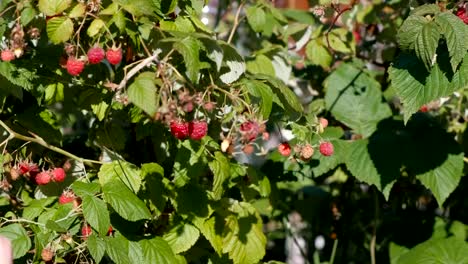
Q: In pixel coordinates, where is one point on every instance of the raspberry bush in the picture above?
(197, 131)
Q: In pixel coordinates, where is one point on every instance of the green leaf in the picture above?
(410, 30)
(96, 247)
(285, 94)
(213, 51)
(17, 76)
(53, 7)
(95, 27)
(339, 39)
(416, 87)
(449, 250)
(221, 171)
(153, 174)
(182, 237)
(261, 64)
(54, 93)
(100, 110)
(256, 18)
(355, 99)
(368, 167)
(243, 238)
(117, 248)
(426, 43)
(121, 170)
(318, 53)
(426, 9)
(27, 15)
(20, 240)
(189, 48)
(265, 95)
(78, 11)
(59, 29)
(96, 213)
(456, 34)
(233, 66)
(142, 92)
(138, 7)
(212, 230)
(156, 250)
(396, 251)
(325, 164)
(85, 188)
(124, 202)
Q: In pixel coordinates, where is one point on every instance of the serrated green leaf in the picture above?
(153, 174)
(156, 250)
(54, 93)
(96, 247)
(261, 64)
(409, 31)
(121, 170)
(456, 36)
(221, 172)
(367, 167)
(117, 249)
(85, 188)
(18, 76)
(339, 39)
(285, 94)
(189, 48)
(325, 164)
(142, 92)
(138, 7)
(233, 66)
(265, 95)
(59, 29)
(53, 7)
(256, 18)
(124, 202)
(213, 51)
(318, 54)
(426, 9)
(20, 240)
(182, 237)
(449, 250)
(426, 43)
(96, 213)
(100, 110)
(78, 11)
(95, 27)
(27, 15)
(355, 99)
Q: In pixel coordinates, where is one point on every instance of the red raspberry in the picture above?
(357, 36)
(424, 109)
(265, 136)
(284, 149)
(75, 66)
(86, 231)
(7, 55)
(43, 178)
(179, 129)
(58, 175)
(47, 254)
(96, 55)
(307, 151)
(66, 197)
(198, 129)
(249, 130)
(461, 13)
(114, 55)
(24, 167)
(323, 122)
(110, 231)
(326, 148)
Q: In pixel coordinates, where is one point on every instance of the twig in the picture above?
(335, 246)
(42, 142)
(236, 22)
(137, 68)
(465, 159)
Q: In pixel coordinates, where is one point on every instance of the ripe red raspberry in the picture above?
(86, 231)
(43, 178)
(326, 148)
(198, 129)
(284, 149)
(307, 151)
(58, 175)
(110, 231)
(249, 130)
(7, 55)
(357, 36)
(23, 167)
(461, 13)
(66, 197)
(47, 254)
(114, 55)
(75, 66)
(424, 109)
(96, 54)
(179, 129)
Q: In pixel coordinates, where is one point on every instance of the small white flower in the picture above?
(319, 242)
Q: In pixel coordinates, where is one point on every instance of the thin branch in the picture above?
(465, 159)
(42, 142)
(236, 22)
(137, 68)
